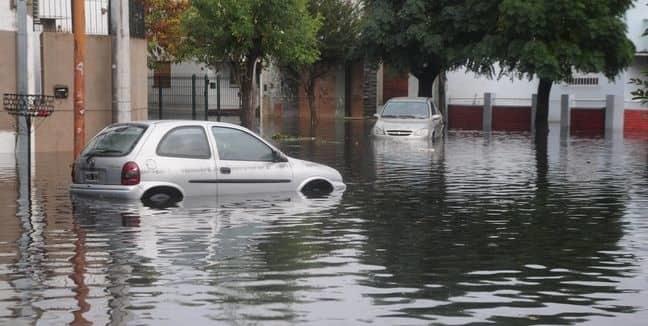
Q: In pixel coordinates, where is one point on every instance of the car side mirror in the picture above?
(376, 115)
(278, 157)
(436, 117)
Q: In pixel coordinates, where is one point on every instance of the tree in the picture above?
(162, 20)
(553, 39)
(246, 33)
(337, 41)
(426, 37)
(640, 93)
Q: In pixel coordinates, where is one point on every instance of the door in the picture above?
(184, 157)
(246, 164)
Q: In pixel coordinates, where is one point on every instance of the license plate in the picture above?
(92, 176)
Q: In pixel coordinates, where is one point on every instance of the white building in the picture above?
(586, 89)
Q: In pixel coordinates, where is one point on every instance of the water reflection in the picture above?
(473, 229)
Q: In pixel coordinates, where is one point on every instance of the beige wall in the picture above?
(139, 79)
(55, 133)
(7, 75)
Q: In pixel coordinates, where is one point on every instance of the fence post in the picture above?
(565, 114)
(489, 101)
(206, 98)
(609, 113)
(534, 108)
(193, 97)
(218, 99)
(159, 99)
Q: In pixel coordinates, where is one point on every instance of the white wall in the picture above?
(7, 16)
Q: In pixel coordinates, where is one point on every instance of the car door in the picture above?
(246, 164)
(184, 157)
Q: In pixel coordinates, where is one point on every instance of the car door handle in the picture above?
(225, 170)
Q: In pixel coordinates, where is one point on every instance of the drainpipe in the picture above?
(121, 68)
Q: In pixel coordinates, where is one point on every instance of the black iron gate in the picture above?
(192, 97)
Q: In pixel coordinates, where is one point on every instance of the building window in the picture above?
(582, 81)
(162, 75)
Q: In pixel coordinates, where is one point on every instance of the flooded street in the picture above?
(474, 229)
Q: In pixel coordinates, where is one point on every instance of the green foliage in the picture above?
(234, 31)
(246, 33)
(425, 37)
(552, 39)
(641, 93)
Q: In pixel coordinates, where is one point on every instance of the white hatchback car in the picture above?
(165, 161)
(409, 117)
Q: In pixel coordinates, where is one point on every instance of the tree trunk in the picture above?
(310, 94)
(442, 93)
(426, 79)
(542, 110)
(247, 86)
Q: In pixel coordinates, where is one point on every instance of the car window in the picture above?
(406, 110)
(117, 140)
(187, 142)
(237, 145)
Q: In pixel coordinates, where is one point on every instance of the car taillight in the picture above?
(130, 174)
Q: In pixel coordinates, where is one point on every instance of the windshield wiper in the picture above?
(408, 116)
(388, 116)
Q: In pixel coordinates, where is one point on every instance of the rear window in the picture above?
(117, 140)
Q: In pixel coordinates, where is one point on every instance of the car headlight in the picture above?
(422, 132)
(379, 131)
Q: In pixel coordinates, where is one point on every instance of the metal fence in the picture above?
(192, 97)
(56, 16)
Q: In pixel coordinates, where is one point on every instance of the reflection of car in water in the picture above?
(167, 161)
(408, 118)
(405, 159)
(260, 205)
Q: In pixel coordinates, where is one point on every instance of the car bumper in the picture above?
(107, 191)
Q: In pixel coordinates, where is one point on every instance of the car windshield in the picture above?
(118, 140)
(406, 110)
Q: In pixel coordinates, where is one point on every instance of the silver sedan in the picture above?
(409, 117)
(166, 161)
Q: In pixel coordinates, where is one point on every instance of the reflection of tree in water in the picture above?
(555, 243)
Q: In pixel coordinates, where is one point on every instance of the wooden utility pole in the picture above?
(78, 27)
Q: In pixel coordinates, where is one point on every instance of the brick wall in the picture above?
(511, 118)
(465, 117)
(395, 84)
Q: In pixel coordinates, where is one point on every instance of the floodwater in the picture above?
(476, 229)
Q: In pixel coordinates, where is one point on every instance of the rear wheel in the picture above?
(161, 197)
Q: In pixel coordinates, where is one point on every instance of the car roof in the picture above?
(183, 123)
(409, 99)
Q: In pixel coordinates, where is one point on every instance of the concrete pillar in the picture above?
(489, 101)
(609, 113)
(121, 69)
(534, 108)
(565, 114)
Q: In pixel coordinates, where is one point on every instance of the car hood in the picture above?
(409, 124)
